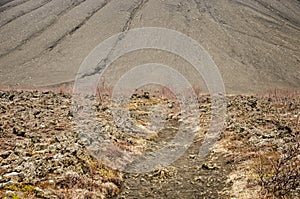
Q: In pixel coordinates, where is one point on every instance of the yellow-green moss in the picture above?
(23, 188)
(27, 188)
(106, 173)
(97, 166)
(11, 187)
(14, 196)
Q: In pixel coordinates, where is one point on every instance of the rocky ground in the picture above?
(43, 157)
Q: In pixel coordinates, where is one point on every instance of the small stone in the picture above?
(13, 176)
(170, 116)
(5, 154)
(11, 97)
(170, 104)
(209, 166)
(18, 132)
(199, 179)
(146, 95)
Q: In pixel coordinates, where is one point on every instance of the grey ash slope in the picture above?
(254, 43)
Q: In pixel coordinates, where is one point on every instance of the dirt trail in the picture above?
(188, 177)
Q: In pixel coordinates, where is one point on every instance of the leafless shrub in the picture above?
(279, 172)
(78, 186)
(61, 88)
(103, 93)
(283, 93)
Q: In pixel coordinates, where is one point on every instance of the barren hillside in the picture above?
(255, 44)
